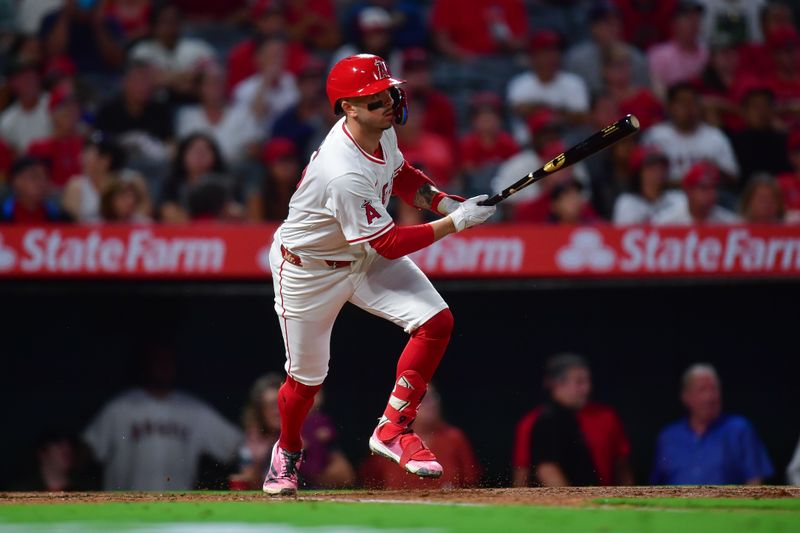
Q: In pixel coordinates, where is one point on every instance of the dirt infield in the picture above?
(569, 496)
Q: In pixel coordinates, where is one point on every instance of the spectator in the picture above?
(125, 200)
(568, 205)
(198, 158)
(82, 32)
(27, 118)
(756, 58)
(789, 182)
(464, 31)
(409, 27)
(700, 185)
(62, 465)
(734, 20)
(586, 59)
(616, 64)
(708, 447)
(63, 149)
(570, 440)
(761, 201)
(784, 77)
(141, 122)
(760, 146)
(270, 92)
(6, 159)
(312, 23)
(175, 59)
(450, 445)
(29, 15)
(375, 37)
(133, 16)
(683, 57)
(233, 128)
(28, 203)
(280, 158)
(306, 120)
(546, 85)
(648, 196)
(646, 22)
(486, 145)
(686, 139)
(437, 111)
(152, 436)
(103, 161)
(268, 19)
(793, 470)
(718, 85)
(323, 466)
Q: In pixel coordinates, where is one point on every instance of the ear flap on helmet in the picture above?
(399, 105)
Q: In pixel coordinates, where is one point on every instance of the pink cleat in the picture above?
(407, 450)
(282, 474)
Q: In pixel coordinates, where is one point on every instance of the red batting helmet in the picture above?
(362, 75)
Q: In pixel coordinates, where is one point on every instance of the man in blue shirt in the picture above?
(708, 447)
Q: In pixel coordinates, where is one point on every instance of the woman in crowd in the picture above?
(324, 466)
(648, 194)
(103, 162)
(197, 159)
(125, 200)
(762, 202)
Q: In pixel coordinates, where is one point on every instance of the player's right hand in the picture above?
(469, 213)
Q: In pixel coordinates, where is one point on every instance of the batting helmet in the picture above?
(362, 75)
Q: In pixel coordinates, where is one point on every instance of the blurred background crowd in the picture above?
(190, 110)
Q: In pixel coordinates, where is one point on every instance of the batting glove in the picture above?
(469, 213)
(445, 204)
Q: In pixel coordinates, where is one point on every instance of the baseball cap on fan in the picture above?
(701, 174)
(544, 40)
(374, 18)
(277, 149)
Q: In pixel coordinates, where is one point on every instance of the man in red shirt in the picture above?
(28, 202)
(269, 19)
(646, 22)
(465, 29)
(486, 145)
(62, 150)
(568, 440)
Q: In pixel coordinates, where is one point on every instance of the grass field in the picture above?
(634, 510)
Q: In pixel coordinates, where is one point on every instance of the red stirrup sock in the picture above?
(294, 401)
(426, 346)
(403, 405)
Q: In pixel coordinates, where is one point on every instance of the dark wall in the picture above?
(67, 348)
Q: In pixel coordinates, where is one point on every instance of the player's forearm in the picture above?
(423, 198)
(442, 228)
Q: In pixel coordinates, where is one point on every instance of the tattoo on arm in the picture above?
(424, 196)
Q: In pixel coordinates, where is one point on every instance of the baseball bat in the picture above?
(601, 140)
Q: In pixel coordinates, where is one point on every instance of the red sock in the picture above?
(426, 346)
(294, 401)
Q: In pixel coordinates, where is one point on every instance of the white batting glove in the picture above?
(469, 213)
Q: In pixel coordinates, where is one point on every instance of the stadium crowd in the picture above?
(173, 111)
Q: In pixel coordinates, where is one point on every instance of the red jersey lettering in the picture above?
(370, 211)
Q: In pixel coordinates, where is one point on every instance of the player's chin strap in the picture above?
(399, 105)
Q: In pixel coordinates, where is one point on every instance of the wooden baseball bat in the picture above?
(601, 140)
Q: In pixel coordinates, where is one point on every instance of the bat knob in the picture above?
(633, 121)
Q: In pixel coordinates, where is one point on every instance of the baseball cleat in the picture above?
(281, 477)
(407, 450)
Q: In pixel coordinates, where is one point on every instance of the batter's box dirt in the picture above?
(566, 496)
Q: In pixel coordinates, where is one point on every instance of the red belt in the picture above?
(295, 259)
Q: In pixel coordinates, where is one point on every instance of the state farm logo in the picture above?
(586, 250)
(472, 255)
(140, 252)
(8, 257)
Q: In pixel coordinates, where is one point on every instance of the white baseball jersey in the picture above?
(341, 201)
(338, 208)
(149, 443)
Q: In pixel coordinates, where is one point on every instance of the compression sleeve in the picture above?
(400, 241)
(408, 181)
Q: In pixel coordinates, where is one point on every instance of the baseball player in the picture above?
(339, 244)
